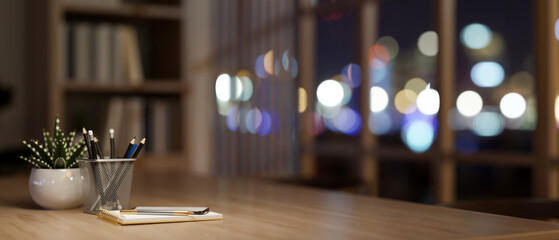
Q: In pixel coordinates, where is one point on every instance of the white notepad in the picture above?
(122, 219)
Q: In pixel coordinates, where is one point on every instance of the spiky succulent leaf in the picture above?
(49, 144)
(57, 151)
(74, 152)
(37, 149)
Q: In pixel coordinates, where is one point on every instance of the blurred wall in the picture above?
(12, 71)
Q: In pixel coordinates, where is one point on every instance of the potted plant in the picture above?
(55, 180)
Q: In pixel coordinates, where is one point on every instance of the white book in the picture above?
(125, 219)
(82, 51)
(102, 73)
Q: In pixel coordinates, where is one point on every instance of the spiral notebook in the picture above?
(122, 219)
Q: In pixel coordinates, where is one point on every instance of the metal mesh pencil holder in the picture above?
(106, 183)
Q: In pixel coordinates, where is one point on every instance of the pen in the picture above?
(98, 148)
(176, 211)
(87, 143)
(112, 138)
(139, 148)
(92, 142)
(129, 147)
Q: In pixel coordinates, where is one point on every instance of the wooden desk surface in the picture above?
(259, 209)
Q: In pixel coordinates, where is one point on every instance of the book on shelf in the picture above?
(101, 53)
(102, 50)
(82, 51)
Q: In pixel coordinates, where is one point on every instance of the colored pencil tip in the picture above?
(112, 132)
(133, 140)
(84, 131)
(143, 141)
(90, 133)
(95, 139)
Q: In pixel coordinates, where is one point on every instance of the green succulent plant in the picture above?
(57, 152)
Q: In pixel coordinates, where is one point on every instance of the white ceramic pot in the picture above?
(56, 188)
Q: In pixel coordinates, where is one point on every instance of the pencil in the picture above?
(92, 142)
(87, 143)
(129, 147)
(139, 148)
(112, 138)
(132, 150)
(98, 148)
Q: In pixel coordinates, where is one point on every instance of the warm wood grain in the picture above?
(259, 209)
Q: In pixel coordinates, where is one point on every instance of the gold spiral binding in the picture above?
(108, 215)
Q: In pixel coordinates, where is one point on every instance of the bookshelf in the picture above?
(111, 64)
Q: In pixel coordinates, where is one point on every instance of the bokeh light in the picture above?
(231, 119)
(469, 103)
(476, 36)
(557, 111)
(269, 62)
(488, 124)
(303, 100)
(378, 56)
(347, 93)
(512, 105)
(347, 121)
(428, 43)
(294, 68)
(390, 44)
(253, 120)
(487, 74)
(247, 88)
(266, 125)
(259, 67)
(330, 93)
(416, 84)
(380, 123)
(418, 135)
(404, 101)
(285, 60)
(428, 101)
(224, 85)
(557, 29)
(378, 99)
(351, 75)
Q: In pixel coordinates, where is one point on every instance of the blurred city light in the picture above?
(418, 135)
(469, 103)
(303, 100)
(513, 105)
(487, 74)
(390, 44)
(330, 93)
(428, 43)
(476, 36)
(416, 84)
(404, 101)
(380, 123)
(351, 75)
(378, 99)
(224, 85)
(428, 101)
(488, 124)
